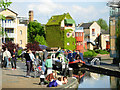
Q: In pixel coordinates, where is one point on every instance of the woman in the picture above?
(14, 59)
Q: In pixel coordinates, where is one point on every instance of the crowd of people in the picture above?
(7, 57)
(30, 58)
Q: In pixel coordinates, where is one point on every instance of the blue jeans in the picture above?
(43, 66)
(13, 61)
(6, 62)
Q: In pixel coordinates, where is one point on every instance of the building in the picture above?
(60, 31)
(79, 36)
(104, 40)
(114, 24)
(15, 28)
(91, 34)
(31, 16)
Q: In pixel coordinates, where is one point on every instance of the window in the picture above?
(76, 34)
(93, 32)
(68, 34)
(81, 34)
(68, 43)
(20, 32)
(73, 35)
(73, 43)
(20, 41)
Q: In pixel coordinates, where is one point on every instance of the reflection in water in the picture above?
(94, 80)
(115, 82)
(95, 76)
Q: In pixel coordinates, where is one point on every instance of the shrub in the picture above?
(99, 51)
(90, 53)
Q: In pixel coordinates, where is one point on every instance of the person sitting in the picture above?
(64, 81)
(78, 57)
(59, 82)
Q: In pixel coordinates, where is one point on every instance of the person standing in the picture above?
(48, 64)
(14, 59)
(45, 54)
(28, 61)
(32, 59)
(6, 56)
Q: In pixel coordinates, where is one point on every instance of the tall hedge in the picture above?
(70, 39)
(54, 36)
(57, 38)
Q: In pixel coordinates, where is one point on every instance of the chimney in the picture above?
(30, 15)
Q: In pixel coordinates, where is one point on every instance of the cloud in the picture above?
(61, 0)
(45, 7)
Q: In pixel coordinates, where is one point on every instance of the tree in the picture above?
(33, 46)
(10, 46)
(3, 5)
(40, 39)
(34, 29)
(102, 24)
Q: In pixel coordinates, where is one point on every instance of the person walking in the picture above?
(45, 54)
(14, 59)
(28, 61)
(6, 56)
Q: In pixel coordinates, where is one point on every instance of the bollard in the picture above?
(119, 65)
(70, 72)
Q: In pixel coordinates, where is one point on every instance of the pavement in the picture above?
(16, 78)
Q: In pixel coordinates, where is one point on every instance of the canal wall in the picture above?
(110, 70)
(72, 83)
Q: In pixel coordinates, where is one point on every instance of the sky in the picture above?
(80, 10)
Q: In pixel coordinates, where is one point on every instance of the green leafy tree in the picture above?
(41, 40)
(36, 31)
(3, 5)
(102, 23)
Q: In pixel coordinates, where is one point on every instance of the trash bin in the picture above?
(70, 72)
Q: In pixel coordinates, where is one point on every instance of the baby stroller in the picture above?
(37, 68)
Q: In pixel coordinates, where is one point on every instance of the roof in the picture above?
(104, 31)
(70, 21)
(86, 25)
(9, 10)
(56, 20)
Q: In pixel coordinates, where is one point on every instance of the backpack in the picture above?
(53, 84)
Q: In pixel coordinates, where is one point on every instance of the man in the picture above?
(70, 56)
(6, 56)
(14, 59)
(45, 54)
(48, 64)
(28, 63)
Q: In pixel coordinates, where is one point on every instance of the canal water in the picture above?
(95, 80)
